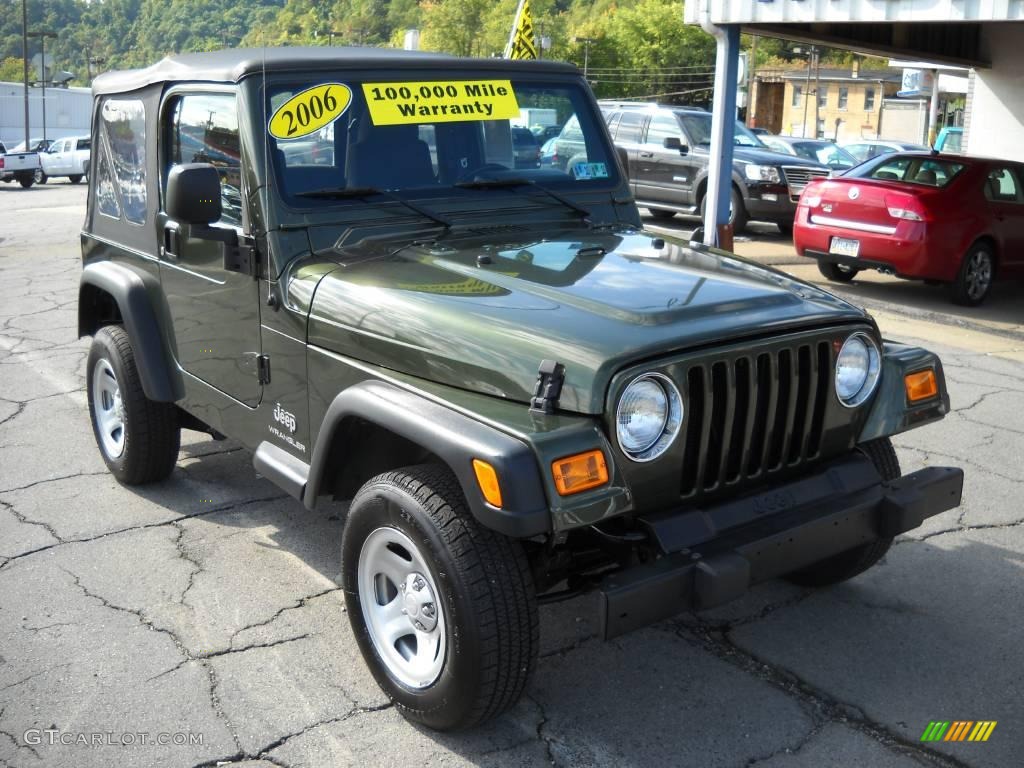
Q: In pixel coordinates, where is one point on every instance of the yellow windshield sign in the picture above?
(440, 102)
(309, 111)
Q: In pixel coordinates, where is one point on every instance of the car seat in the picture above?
(390, 157)
(926, 176)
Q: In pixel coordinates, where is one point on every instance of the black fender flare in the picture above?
(456, 439)
(161, 379)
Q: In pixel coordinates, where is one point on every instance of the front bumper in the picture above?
(713, 556)
(769, 202)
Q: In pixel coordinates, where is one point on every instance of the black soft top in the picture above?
(231, 65)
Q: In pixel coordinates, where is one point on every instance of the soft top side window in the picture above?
(123, 139)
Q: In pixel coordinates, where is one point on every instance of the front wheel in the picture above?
(853, 562)
(660, 214)
(737, 211)
(785, 228)
(40, 177)
(137, 437)
(837, 273)
(443, 609)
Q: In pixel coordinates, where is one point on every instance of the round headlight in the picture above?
(857, 369)
(648, 417)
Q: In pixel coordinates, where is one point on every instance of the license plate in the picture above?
(843, 247)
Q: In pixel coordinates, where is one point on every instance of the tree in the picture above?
(12, 70)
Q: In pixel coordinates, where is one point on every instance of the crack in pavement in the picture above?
(298, 604)
(146, 526)
(53, 480)
(820, 705)
(226, 652)
(8, 507)
(264, 752)
(183, 554)
(816, 728)
(547, 741)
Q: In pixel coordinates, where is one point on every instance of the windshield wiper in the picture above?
(511, 183)
(340, 193)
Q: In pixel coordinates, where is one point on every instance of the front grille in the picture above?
(798, 177)
(751, 415)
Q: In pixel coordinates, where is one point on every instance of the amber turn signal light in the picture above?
(579, 472)
(487, 479)
(921, 385)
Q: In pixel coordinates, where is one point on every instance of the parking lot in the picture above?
(204, 611)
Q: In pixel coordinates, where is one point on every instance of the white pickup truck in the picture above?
(19, 166)
(66, 157)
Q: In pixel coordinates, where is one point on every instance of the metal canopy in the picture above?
(943, 31)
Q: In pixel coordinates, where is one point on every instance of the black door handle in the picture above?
(646, 155)
(172, 240)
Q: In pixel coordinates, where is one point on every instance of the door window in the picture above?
(662, 127)
(1002, 186)
(204, 129)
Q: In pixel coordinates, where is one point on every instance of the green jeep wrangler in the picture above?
(330, 256)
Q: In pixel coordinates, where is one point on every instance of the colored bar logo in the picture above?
(959, 730)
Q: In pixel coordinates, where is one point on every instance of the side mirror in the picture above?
(193, 193)
(674, 142)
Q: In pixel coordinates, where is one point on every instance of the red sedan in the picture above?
(942, 218)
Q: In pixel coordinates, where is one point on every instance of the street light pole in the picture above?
(587, 42)
(42, 34)
(24, 60)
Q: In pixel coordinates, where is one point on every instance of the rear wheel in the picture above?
(27, 180)
(443, 609)
(854, 561)
(138, 438)
(837, 273)
(75, 178)
(974, 279)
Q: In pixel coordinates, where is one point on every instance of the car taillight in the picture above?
(1, 162)
(906, 207)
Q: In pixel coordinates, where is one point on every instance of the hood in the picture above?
(770, 157)
(482, 317)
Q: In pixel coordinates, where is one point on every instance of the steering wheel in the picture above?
(471, 175)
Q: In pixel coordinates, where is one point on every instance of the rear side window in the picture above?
(123, 131)
(629, 126)
(84, 143)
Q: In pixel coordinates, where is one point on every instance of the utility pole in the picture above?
(587, 42)
(817, 89)
(24, 60)
(807, 95)
(751, 122)
(42, 34)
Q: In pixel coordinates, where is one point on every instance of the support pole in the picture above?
(723, 131)
(933, 110)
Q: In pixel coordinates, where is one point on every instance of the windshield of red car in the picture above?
(430, 134)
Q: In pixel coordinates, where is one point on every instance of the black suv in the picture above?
(666, 151)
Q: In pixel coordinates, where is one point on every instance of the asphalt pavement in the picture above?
(198, 621)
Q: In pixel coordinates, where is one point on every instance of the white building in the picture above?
(68, 112)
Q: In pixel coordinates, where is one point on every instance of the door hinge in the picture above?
(242, 257)
(550, 377)
(263, 369)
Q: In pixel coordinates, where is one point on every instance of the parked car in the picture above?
(667, 149)
(523, 394)
(525, 148)
(66, 157)
(547, 153)
(865, 149)
(950, 219)
(545, 132)
(824, 152)
(761, 132)
(950, 140)
(18, 166)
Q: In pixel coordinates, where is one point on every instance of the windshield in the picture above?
(343, 133)
(826, 154)
(698, 128)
